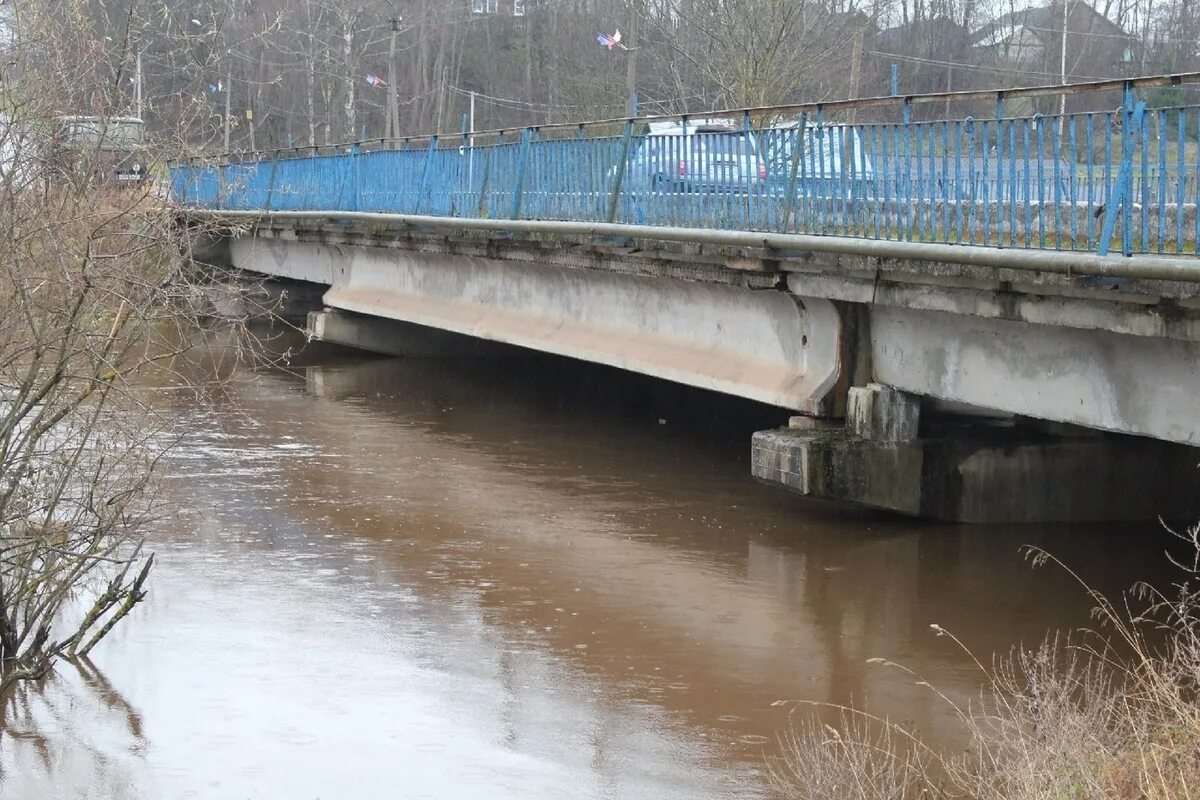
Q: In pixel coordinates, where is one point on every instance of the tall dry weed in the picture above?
(1108, 712)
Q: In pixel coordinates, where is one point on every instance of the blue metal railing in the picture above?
(1126, 180)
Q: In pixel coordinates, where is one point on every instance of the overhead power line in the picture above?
(977, 67)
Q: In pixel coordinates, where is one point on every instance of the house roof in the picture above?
(941, 30)
(1045, 22)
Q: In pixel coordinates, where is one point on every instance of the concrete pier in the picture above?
(975, 470)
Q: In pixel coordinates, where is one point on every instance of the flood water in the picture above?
(515, 578)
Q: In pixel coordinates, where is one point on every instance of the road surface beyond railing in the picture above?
(1125, 180)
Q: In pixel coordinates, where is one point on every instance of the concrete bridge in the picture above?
(988, 346)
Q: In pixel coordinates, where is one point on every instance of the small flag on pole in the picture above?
(611, 41)
(375, 80)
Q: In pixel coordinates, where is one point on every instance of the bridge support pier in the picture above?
(971, 470)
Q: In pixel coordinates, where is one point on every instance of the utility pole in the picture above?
(635, 8)
(949, 85)
(137, 84)
(856, 54)
(228, 91)
(441, 101)
(1062, 70)
(392, 124)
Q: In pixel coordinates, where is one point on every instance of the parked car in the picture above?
(830, 157)
(113, 146)
(703, 156)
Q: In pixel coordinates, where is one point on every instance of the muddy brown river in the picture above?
(515, 578)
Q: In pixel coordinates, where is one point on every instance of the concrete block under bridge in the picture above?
(824, 336)
(989, 471)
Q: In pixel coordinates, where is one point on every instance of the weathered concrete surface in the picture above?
(322, 264)
(1125, 360)
(1115, 382)
(987, 476)
(393, 338)
(763, 345)
(247, 296)
(882, 413)
(870, 339)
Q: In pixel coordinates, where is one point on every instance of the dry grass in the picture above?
(1111, 712)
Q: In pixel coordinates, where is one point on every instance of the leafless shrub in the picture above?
(95, 291)
(1111, 712)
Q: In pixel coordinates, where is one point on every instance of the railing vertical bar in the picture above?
(1195, 234)
(1109, 186)
(958, 188)
(1056, 152)
(866, 178)
(485, 169)
(622, 157)
(1180, 174)
(1014, 165)
(1090, 131)
(984, 182)
(1040, 134)
(796, 159)
(424, 185)
(888, 134)
(271, 181)
(522, 168)
(1073, 184)
(970, 188)
(945, 182)
(1143, 243)
(1160, 227)
(1027, 187)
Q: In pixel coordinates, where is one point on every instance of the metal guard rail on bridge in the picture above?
(1126, 179)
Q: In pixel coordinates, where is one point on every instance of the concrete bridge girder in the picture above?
(1148, 386)
(769, 346)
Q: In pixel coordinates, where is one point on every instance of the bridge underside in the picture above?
(763, 345)
(799, 332)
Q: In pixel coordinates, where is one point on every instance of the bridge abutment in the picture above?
(961, 469)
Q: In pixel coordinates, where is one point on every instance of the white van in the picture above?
(827, 152)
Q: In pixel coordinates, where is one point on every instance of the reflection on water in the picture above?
(524, 578)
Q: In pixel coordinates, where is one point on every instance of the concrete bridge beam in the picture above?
(1148, 386)
(768, 346)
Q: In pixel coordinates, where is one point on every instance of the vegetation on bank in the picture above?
(1112, 712)
(94, 290)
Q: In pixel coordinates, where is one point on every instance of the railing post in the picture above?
(271, 181)
(482, 211)
(424, 185)
(223, 185)
(1119, 197)
(355, 178)
(797, 155)
(749, 179)
(469, 151)
(615, 197)
(522, 161)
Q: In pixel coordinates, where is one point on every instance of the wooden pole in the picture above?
(392, 123)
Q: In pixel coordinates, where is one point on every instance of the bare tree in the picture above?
(96, 292)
